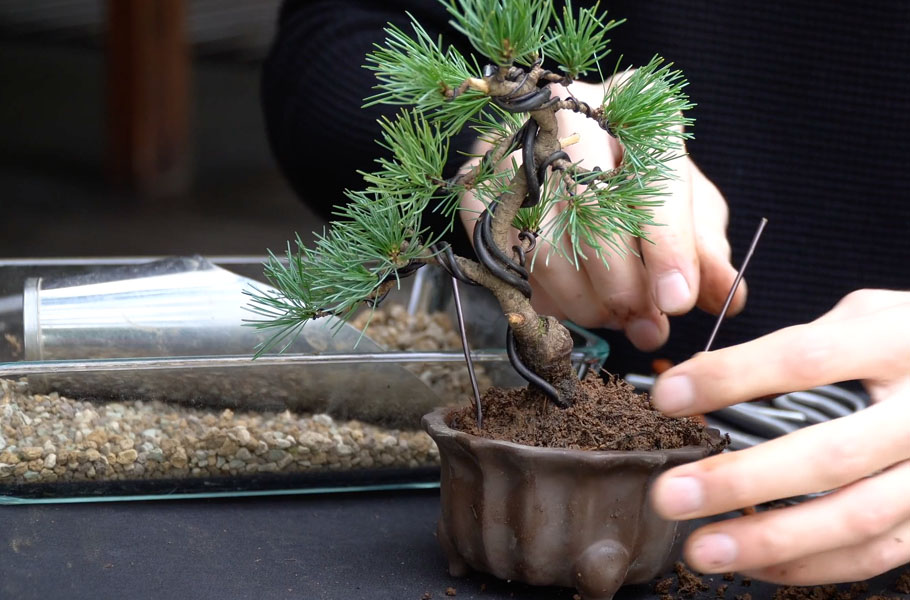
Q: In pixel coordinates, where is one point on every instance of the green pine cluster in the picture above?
(379, 231)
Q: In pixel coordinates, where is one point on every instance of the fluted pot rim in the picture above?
(435, 424)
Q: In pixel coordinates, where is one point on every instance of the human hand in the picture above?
(688, 263)
(858, 531)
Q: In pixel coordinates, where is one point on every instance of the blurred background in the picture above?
(133, 127)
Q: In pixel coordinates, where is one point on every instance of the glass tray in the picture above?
(79, 423)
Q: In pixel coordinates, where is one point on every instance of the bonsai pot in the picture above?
(551, 516)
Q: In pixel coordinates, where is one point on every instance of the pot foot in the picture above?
(457, 566)
(601, 570)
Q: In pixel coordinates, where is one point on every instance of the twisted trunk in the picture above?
(544, 344)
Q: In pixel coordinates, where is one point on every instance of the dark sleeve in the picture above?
(313, 86)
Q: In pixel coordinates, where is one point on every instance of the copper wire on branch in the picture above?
(446, 259)
(531, 101)
(501, 265)
(583, 108)
(497, 262)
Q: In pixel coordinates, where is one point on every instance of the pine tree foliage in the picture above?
(376, 235)
(418, 72)
(585, 215)
(493, 124)
(419, 154)
(645, 113)
(504, 31)
(601, 216)
(578, 43)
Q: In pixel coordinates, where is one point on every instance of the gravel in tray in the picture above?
(50, 438)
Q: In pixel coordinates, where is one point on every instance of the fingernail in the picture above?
(673, 293)
(680, 496)
(644, 334)
(714, 552)
(673, 395)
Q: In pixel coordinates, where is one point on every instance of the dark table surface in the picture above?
(352, 546)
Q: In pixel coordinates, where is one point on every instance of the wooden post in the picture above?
(148, 95)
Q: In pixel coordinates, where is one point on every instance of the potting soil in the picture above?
(607, 415)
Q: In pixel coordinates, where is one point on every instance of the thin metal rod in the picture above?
(467, 352)
(739, 277)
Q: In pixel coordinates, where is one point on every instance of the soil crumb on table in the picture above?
(688, 583)
(685, 584)
(856, 591)
(902, 585)
(607, 415)
(664, 586)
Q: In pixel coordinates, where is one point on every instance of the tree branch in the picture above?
(596, 114)
(492, 157)
(572, 168)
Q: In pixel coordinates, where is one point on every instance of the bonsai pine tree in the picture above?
(526, 49)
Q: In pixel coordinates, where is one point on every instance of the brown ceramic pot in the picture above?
(548, 516)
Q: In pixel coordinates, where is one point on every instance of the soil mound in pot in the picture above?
(607, 415)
